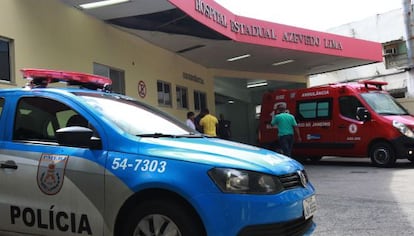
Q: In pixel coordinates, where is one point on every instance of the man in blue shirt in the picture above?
(287, 126)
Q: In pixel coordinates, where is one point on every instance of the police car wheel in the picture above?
(157, 218)
(382, 155)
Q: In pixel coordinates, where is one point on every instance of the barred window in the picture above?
(200, 100)
(117, 76)
(182, 97)
(164, 93)
(5, 59)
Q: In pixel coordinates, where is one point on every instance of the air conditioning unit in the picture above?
(390, 51)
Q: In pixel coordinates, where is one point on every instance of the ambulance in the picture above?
(81, 160)
(357, 119)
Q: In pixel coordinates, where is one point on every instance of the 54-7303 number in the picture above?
(143, 165)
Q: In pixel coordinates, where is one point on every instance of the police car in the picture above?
(84, 161)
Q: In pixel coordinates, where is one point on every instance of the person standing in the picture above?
(209, 123)
(197, 122)
(190, 120)
(287, 127)
(224, 131)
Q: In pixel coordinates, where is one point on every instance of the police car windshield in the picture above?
(134, 117)
(384, 104)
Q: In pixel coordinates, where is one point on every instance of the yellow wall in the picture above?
(48, 34)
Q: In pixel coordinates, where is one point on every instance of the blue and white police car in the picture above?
(84, 161)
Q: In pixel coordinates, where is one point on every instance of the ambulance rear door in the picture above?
(268, 133)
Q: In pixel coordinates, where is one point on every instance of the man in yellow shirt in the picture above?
(209, 123)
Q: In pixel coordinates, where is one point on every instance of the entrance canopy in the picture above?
(208, 34)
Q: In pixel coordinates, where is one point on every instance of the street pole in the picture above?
(408, 22)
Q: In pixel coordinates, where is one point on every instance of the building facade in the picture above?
(390, 29)
(52, 34)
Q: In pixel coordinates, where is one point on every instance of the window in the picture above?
(164, 93)
(200, 100)
(5, 60)
(316, 109)
(383, 104)
(182, 97)
(117, 76)
(37, 119)
(124, 113)
(258, 109)
(348, 106)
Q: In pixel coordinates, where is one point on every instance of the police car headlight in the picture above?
(403, 129)
(246, 182)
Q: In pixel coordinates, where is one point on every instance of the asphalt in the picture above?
(355, 198)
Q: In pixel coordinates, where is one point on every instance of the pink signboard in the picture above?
(248, 30)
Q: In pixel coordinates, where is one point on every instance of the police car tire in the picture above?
(185, 221)
(382, 155)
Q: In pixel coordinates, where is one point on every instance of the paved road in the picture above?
(355, 198)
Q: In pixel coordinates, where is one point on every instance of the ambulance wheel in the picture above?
(382, 155)
(161, 217)
(314, 160)
(301, 160)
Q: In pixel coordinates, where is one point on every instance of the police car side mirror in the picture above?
(362, 114)
(77, 136)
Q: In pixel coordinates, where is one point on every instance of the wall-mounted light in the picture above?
(282, 62)
(190, 48)
(256, 84)
(238, 57)
(104, 3)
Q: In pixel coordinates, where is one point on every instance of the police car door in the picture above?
(47, 188)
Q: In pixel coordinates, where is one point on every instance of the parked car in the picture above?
(84, 161)
(356, 119)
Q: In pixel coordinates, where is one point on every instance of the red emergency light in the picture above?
(42, 77)
(377, 84)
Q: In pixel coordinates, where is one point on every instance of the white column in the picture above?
(410, 83)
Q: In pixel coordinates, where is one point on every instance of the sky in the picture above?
(317, 15)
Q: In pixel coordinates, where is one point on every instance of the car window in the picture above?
(314, 109)
(383, 104)
(37, 119)
(348, 106)
(133, 117)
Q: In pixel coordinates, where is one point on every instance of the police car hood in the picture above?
(219, 153)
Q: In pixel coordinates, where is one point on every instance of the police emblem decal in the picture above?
(51, 173)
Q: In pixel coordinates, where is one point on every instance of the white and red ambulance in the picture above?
(356, 119)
